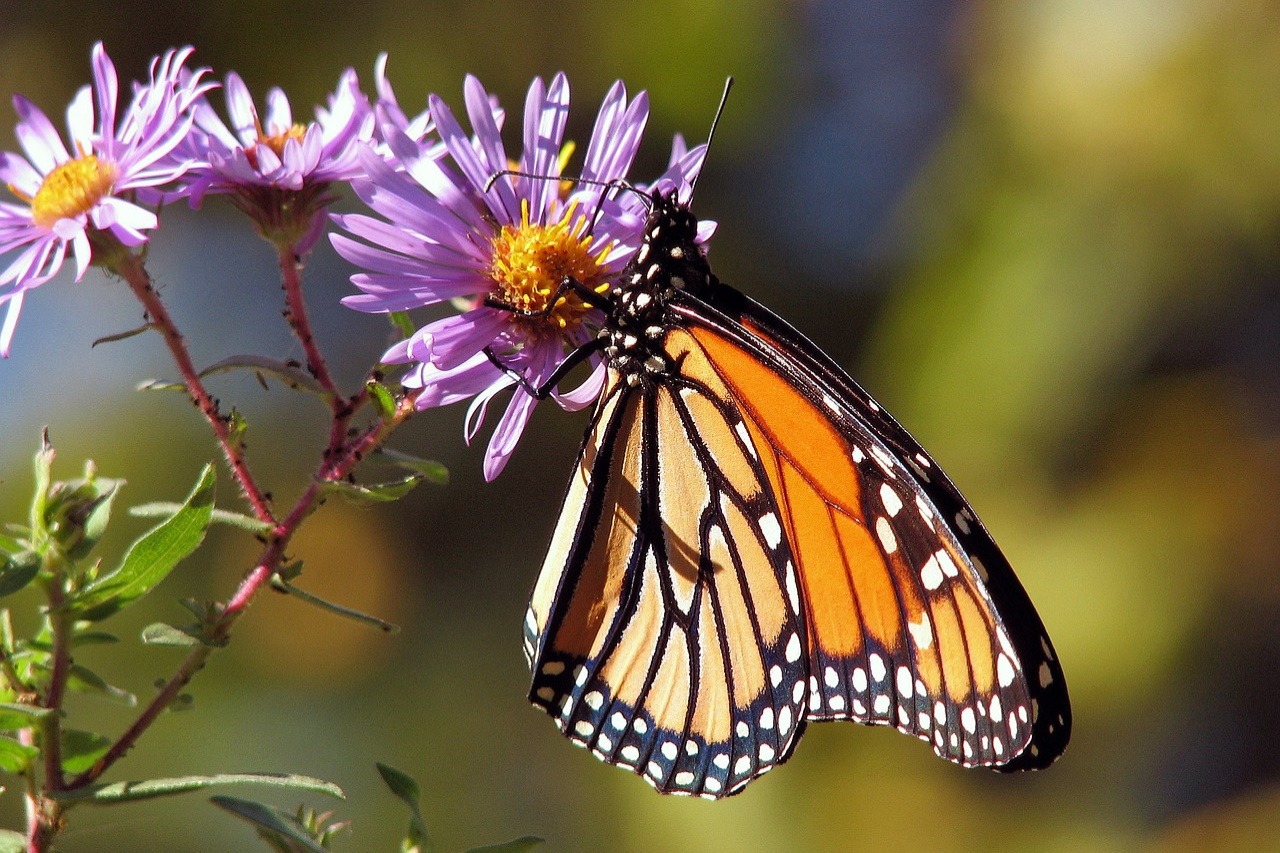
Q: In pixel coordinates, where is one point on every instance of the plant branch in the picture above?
(131, 268)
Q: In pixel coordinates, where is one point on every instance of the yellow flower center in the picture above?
(277, 140)
(71, 189)
(531, 263)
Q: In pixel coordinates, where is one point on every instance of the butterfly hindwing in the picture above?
(661, 633)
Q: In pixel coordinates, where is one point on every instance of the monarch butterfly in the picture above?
(749, 542)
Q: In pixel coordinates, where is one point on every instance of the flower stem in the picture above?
(291, 281)
(131, 268)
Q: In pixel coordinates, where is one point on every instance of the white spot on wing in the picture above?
(921, 632)
(930, 573)
(887, 540)
(878, 670)
(888, 497)
(1004, 670)
(770, 528)
(741, 429)
(793, 648)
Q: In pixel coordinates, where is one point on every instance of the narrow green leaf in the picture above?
(22, 715)
(519, 845)
(122, 336)
(88, 681)
(434, 472)
(80, 749)
(16, 757)
(152, 557)
(406, 788)
(163, 509)
(11, 547)
(17, 572)
(93, 638)
(375, 493)
(271, 820)
(95, 522)
(290, 373)
(12, 842)
(402, 322)
(279, 583)
(161, 385)
(88, 638)
(382, 398)
(125, 792)
(43, 462)
(162, 634)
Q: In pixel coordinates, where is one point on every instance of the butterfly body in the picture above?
(749, 542)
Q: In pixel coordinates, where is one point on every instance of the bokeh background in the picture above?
(1043, 234)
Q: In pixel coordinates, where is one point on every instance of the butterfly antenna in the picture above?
(715, 122)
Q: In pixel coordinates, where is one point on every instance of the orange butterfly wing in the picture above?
(750, 542)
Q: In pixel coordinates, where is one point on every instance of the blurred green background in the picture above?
(1043, 234)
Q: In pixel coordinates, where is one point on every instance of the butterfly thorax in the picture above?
(669, 261)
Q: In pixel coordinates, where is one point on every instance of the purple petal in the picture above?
(17, 173)
(10, 320)
(106, 86)
(455, 339)
(37, 137)
(507, 434)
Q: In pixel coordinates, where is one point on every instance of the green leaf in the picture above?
(95, 521)
(519, 845)
(372, 494)
(17, 572)
(121, 336)
(88, 681)
(161, 385)
(382, 398)
(162, 634)
(271, 820)
(152, 557)
(127, 792)
(12, 842)
(162, 509)
(402, 322)
(93, 638)
(43, 461)
(14, 715)
(16, 757)
(81, 749)
(291, 374)
(11, 547)
(434, 472)
(406, 788)
(278, 582)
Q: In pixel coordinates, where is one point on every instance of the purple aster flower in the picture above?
(75, 198)
(451, 231)
(278, 171)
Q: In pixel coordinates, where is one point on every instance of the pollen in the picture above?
(276, 141)
(532, 265)
(72, 189)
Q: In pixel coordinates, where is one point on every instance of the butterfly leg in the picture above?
(541, 392)
(567, 285)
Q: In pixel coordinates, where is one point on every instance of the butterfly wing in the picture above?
(665, 630)
(914, 616)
